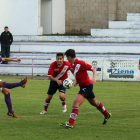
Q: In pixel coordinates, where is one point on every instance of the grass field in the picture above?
(122, 99)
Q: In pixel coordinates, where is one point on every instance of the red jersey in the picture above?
(79, 70)
(59, 72)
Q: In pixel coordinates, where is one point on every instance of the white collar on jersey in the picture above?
(74, 61)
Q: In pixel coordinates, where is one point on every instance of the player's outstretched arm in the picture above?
(9, 59)
(94, 75)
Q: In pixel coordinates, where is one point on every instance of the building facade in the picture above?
(41, 17)
(82, 15)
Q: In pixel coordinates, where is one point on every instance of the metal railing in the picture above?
(32, 65)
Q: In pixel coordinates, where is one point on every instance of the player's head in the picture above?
(59, 58)
(6, 29)
(70, 54)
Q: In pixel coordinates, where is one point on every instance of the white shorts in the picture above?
(0, 88)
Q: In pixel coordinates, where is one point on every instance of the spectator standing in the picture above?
(6, 40)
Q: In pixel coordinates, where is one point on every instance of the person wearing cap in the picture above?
(6, 40)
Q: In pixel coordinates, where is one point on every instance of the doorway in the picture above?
(46, 16)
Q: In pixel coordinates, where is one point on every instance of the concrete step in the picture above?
(80, 48)
(115, 33)
(124, 25)
(133, 16)
(133, 19)
(75, 39)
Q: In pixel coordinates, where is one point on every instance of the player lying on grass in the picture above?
(79, 69)
(57, 73)
(5, 86)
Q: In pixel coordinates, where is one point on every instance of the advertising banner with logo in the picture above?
(121, 70)
(97, 64)
(117, 69)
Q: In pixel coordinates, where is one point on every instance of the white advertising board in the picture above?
(109, 69)
(121, 70)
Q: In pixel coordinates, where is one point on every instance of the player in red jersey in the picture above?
(79, 69)
(139, 64)
(5, 86)
(57, 73)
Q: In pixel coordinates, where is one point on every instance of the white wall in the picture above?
(58, 16)
(46, 16)
(21, 16)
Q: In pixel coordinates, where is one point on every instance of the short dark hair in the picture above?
(71, 53)
(59, 54)
(6, 27)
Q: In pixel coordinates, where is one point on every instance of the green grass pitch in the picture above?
(122, 99)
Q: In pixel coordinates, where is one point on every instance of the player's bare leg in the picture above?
(8, 102)
(79, 99)
(101, 108)
(63, 100)
(46, 104)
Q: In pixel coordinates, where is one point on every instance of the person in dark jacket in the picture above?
(6, 40)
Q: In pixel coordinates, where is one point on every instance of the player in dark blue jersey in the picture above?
(5, 86)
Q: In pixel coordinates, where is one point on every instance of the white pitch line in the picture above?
(45, 115)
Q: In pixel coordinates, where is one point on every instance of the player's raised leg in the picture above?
(46, 104)
(13, 85)
(79, 99)
(101, 108)
(8, 102)
(63, 100)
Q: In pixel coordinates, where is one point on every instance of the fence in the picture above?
(32, 66)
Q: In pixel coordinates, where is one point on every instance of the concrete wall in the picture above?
(21, 16)
(82, 15)
(127, 6)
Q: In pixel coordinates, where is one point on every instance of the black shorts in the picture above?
(86, 91)
(53, 88)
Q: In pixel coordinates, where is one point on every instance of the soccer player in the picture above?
(57, 73)
(139, 64)
(79, 69)
(5, 86)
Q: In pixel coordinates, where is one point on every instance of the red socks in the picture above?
(102, 109)
(63, 101)
(46, 104)
(75, 111)
(73, 115)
